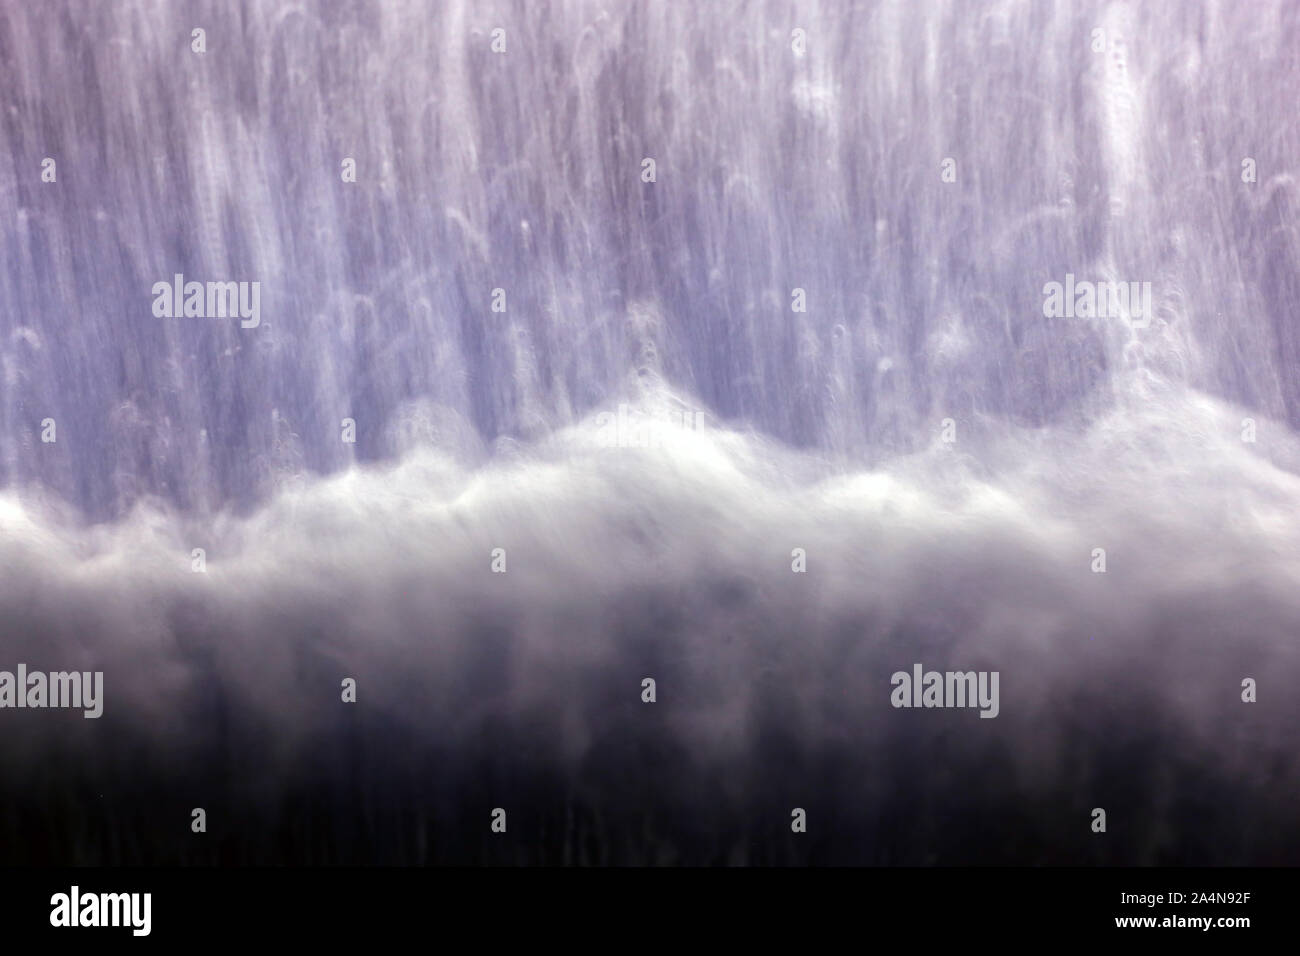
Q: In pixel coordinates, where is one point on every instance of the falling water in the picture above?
(817, 329)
